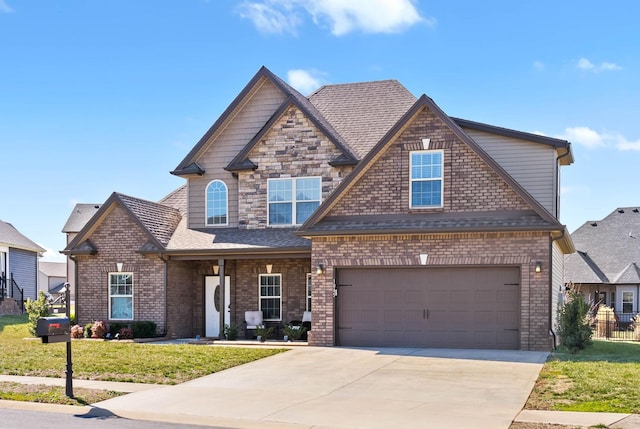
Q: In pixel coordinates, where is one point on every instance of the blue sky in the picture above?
(103, 96)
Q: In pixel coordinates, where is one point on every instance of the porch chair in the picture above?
(252, 319)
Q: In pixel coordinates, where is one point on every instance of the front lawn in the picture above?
(602, 378)
(113, 360)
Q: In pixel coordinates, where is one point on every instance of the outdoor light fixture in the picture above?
(538, 266)
(119, 266)
(269, 268)
(216, 269)
(320, 268)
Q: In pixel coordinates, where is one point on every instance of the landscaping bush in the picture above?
(99, 329)
(87, 330)
(77, 331)
(263, 332)
(125, 333)
(37, 309)
(144, 329)
(115, 327)
(573, 326)
(294, 332)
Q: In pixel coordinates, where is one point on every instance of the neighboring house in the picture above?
(393, 223)
(606, 264)
(80, 215)
(18, 265)
(52, 277)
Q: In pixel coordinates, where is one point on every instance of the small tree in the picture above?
(573, 326)
(37, 309)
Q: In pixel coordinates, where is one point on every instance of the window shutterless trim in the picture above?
(261, 297)
(294, 201)
(121, 296)
(441, 179)
(206, 203)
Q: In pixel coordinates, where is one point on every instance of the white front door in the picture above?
(212, 305)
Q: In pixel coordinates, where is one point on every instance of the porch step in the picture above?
(9, 307)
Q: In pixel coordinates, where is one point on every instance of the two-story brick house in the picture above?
(392, 222)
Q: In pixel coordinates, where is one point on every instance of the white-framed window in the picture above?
(121, 296)
(270, 296)
(628, 301)
(308, 292)
(426, 171)
(291, 201)
(217, 203)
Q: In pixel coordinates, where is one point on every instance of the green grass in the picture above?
(602, 378)
(112, 360)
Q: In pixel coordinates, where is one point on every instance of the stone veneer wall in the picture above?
(293, 147)
(117, 239)
(514, 249)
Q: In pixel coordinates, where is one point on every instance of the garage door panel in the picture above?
(429, 307)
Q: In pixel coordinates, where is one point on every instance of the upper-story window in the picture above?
(217, 207)
(291, 201)
(426, 178)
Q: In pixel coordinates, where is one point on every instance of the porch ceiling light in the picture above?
(538, 266)
(216, 269)
(320, 268)
(269, 268)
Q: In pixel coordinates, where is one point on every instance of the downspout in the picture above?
(75, 285)
(165, 292)
(551, 332)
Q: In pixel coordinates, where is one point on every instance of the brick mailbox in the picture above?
(54, 329)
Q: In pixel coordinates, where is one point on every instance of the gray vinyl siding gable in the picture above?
(23, 264)
(532, 165)
(241, 129)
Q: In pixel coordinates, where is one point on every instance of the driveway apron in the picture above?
(350, 388)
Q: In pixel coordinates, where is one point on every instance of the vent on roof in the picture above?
(620, 211)
(594, 223)
(636, 210)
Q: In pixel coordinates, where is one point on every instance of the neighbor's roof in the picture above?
(11, 237)
(79, 217)
(608, 250)
(53, 269)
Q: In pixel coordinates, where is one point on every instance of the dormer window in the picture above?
(217, 207)
(292, 200)
(426, 179)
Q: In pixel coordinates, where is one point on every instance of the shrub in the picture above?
(294, 332)
(87, 330)
(231, 332)
(99, 329)
(125, 333)
(573, 326)
(37, 309)
(114, 327)
(263, 332)
(144, 329)
(77, 331)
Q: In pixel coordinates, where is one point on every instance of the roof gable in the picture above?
(386, 142)
(11, 237)
(157, 220)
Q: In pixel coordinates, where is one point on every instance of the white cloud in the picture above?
(4, 7)
(52, 255)
(305, 81)
(586, 65)
(367, 16)
(585, 136)
(538, 65)
(268, 18)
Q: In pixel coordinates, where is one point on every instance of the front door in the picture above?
(212, 305)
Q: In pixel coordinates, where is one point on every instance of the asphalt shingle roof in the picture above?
(160, 220)
(11, 237)
(79, 217)
(363, 112)
(608, 250)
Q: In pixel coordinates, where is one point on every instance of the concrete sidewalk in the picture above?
(586, 420)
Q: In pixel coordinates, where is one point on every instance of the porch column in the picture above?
(221, 288)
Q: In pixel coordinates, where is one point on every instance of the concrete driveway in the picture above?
(311, 387)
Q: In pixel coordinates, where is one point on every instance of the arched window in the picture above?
(217, 209)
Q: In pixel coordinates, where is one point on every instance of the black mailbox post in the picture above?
(54, 329)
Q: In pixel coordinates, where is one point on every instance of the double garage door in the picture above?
(429, 307)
